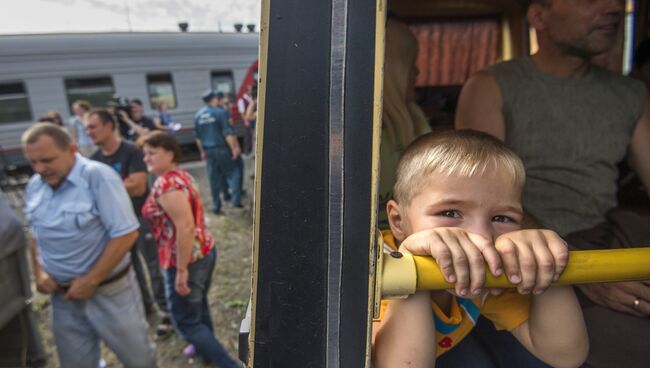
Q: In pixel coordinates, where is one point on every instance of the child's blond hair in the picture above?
(465, 153)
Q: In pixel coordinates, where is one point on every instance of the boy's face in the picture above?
(488, 205)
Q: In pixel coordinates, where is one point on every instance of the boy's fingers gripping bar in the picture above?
(587, 266)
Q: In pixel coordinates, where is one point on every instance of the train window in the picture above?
(14, 104)
(96, 90)
(450, 51)
(223, 82)
(161, 89)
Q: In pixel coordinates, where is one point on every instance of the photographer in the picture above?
(133, 122)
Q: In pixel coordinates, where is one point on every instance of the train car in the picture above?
(43, 72)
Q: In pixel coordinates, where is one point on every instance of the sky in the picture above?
(56, 16)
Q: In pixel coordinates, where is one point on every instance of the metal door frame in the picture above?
(317, 168)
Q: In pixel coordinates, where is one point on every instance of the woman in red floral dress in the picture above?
(185, 246)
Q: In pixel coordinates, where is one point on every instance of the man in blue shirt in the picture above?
(83, 226)
(218, 146)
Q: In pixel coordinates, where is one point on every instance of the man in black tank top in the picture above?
(571, 122)
(127, 159)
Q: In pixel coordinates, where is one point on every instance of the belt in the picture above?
(64, 287)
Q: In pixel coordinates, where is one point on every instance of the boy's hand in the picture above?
(461, 256)
(532, 259)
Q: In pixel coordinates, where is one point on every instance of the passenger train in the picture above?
(43, 72)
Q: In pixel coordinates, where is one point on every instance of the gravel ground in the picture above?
(230, 289)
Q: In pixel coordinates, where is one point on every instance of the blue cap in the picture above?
(208, 95)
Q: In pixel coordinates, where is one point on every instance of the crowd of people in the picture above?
(140, 248)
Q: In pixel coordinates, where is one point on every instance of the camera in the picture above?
(121, 103)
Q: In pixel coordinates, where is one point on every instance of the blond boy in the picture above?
(458, 199)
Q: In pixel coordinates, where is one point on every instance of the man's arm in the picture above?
(620, 296)
(148, 123)
(480, 106)
(250, 112)
(229, 134)
(234, 146)
(640, 147)
(200, 147)
(228, 110)
(157, 122)
(136, 179)
(138, 129)
(197, 134)
(136, 184)
(84, 287)
(44, 282)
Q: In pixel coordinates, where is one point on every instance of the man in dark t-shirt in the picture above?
(137, 123)
(127, 159)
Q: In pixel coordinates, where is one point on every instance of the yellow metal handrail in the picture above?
(404, 274)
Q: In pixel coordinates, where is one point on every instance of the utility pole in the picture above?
(128, 15)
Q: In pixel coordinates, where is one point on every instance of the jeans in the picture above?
(191, 313)
(220, 165)
(485, 347)
(225, 189)
(146, 245)
(240, 167)
(113, 314)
